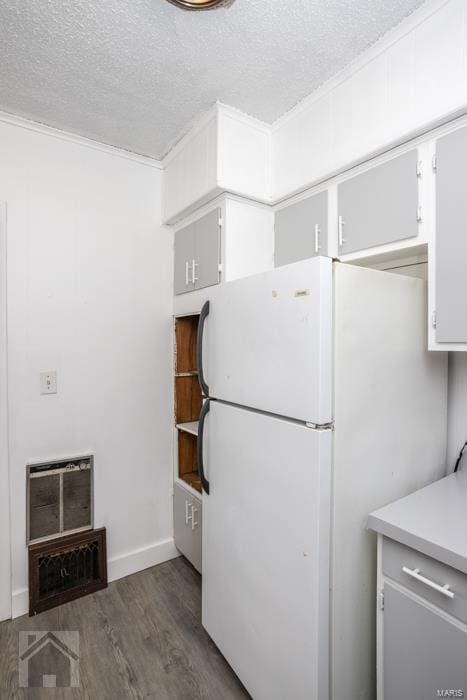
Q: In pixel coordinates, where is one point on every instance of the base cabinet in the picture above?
(188, 518)
(422, 633)
(425, 654)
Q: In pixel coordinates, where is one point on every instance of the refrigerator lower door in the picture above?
(267, 341)
(266, 551)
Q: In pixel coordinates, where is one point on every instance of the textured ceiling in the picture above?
(134, 73)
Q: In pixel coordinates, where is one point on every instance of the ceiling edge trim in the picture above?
(407, 25)
(46, 130)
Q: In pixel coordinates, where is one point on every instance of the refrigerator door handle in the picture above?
(202, 319)
(202, 418)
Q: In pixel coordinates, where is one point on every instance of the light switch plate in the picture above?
(49, 382)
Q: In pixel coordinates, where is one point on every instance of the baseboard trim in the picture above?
(143, 558)
(118, 567)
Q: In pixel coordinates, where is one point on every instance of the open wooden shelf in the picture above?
(188, 399)
(188, 459)
(186, 331)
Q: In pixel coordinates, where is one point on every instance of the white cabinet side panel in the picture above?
(390, 402)
(249, 239)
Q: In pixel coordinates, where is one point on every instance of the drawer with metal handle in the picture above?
(438, 583)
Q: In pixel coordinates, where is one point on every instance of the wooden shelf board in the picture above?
(191, 427)
(193, 480)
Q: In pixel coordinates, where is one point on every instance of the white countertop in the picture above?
(432, 521)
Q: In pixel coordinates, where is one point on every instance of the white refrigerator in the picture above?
(324, 404)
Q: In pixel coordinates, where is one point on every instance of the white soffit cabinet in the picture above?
(226, 151)
(413, 79)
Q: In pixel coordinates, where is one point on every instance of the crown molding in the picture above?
(51, 131)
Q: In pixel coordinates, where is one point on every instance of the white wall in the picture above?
(457, 407)
(5, 573)
(90, 295)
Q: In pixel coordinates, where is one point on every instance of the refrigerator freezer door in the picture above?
(268, 338)
(266, 550)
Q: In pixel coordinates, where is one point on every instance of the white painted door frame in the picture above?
(5, 537)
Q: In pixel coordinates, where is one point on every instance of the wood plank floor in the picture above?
(139, 638)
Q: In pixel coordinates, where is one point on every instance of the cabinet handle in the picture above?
(187, 516)
(187, 273)
(194, 265)
(194, 523)
(317, 232)
(340, 228)
(415, 573)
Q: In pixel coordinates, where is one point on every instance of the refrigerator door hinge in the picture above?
(419, 168)
(381, 599)
(434, 162)
(220, 268)
(220, 221)
(419, 213)
(320, 426)
(433, 319)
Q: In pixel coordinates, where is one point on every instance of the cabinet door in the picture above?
(188, 525)
(380, 205)
(451, 237)
(207, 250)
(423, 652)
(301, 230)
(184, 253)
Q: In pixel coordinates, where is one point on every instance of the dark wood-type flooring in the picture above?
(139, 638)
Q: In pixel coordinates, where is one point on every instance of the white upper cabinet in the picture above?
(448, 284)
(379, 206)
(227, 151)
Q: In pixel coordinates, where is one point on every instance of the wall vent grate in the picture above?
(66, 568)
(59, 498)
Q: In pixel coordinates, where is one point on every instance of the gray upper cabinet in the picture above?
(301, 230)
(207, 250)
(380, 205)
(197, 254)
(451, 237)
(184, 254)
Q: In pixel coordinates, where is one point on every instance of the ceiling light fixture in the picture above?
(197, 4)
